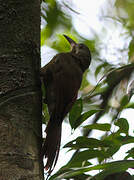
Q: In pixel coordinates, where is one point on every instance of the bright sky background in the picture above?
(91, 20)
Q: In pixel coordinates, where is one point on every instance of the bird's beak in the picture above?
(72, 42)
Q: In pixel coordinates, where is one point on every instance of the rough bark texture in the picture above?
(20, 96)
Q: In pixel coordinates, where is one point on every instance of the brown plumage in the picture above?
(62, 78)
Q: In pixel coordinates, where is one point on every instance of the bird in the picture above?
(62, 78)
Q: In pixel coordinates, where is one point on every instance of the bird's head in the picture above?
(81, 52)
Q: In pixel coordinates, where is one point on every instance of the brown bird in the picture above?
(62, 78)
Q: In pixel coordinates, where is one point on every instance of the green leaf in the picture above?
(84, 80)
(45, 114)
(109, 168)
(113, 149)
(124, 101)
(101, 66)
(114, 167)
(130, 153)
(130, 105)
(72, 163)
(75, 112)
(88, 154)
(122, 123)
(102, 127)
(131, 49)
(83, 117)
(125, 139)
(84, 142)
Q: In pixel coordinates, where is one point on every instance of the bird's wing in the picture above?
(66, 83)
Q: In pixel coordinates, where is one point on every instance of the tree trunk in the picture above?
(20, 94)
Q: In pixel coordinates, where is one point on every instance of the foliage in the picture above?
(109, 97)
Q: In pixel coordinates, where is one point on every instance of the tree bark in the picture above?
(20, 94)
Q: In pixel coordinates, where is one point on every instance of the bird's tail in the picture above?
(51, 145)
